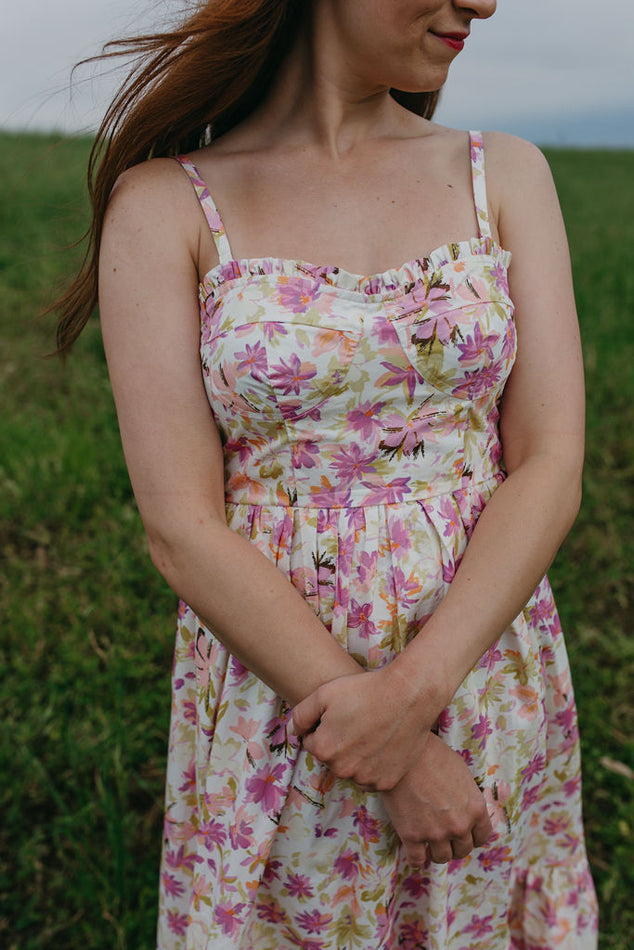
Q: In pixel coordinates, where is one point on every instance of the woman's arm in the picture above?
(520, 530)
(151, 330)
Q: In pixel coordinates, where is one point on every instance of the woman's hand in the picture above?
(437, 810)
(370, 728)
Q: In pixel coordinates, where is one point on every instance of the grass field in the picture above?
(87, 624)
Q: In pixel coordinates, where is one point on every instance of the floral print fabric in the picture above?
(359, 423)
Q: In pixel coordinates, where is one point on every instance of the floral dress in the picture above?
(359, 420)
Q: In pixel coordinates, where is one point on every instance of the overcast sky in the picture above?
(554, 71)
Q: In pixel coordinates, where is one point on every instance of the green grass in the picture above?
(88, 624)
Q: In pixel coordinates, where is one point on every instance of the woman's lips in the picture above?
(453, 40)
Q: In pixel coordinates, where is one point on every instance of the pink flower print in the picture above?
(271, 871)
(269, 909)
(355, 518)
(302, 943)
(224, 379)
(413, 935)
(386, 336)
(253, 360)
(351, 464)
(189, 778)
(359, 619)
(428, 291)
(323, 495)
(500, 277)
(386, 493)
(404, 435)
(304, 454)
(445, 721)
(327, 833)
(245, 728)
(299, 885)
(557, 824)
(211, 833)
(366, 567)
(241, 831)
(228, 916)
(534, 767)
(363, 419)
(177, 923)
(567, 721)
(451, 516)
(263, 788)
(368, 825)
(271, 330)
(528, 706)
(478, 382)
(509, 343)
(243, 447)
(313, 921)
(443, 329)
(171, 886)
(347, 865)
(276, 732)
(405, 376)
(239, 673)
(289, 376)
(475, 347)
(492, 858)
(480, 926)
(400, 538)
(296, 296)
(178, 859)
(572, 786)
(481, 730)
(531, 795)
(476, 294)
(409, 588)
(218, 802)
(542, 609)
(416, 885)
(345, 552)
(327, 340)
(190, 709)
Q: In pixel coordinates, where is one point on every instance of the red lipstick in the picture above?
(453, 40)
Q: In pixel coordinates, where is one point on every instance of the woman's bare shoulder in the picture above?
(511, 160)
(154, 202)
(518, 175)
(158, 182)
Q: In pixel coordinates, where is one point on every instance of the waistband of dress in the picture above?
(382, 496)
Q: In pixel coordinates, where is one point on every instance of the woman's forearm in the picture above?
(512, 546)
(251, 607)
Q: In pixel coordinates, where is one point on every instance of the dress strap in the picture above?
(479, 183)
(210, 211)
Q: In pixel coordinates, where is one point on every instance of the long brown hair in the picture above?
(187, 87)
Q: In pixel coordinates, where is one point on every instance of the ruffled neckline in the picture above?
(392, 282)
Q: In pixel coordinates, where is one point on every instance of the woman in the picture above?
(312, 449)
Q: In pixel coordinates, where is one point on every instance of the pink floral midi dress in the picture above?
(359, 419)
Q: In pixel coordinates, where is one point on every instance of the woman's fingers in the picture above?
(483, 829)
(417, 854)
(440, 852)
(461, 847)
(306, 715)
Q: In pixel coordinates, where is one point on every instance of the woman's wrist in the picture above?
(420, 683)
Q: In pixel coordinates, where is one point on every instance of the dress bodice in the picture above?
(332, 389)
